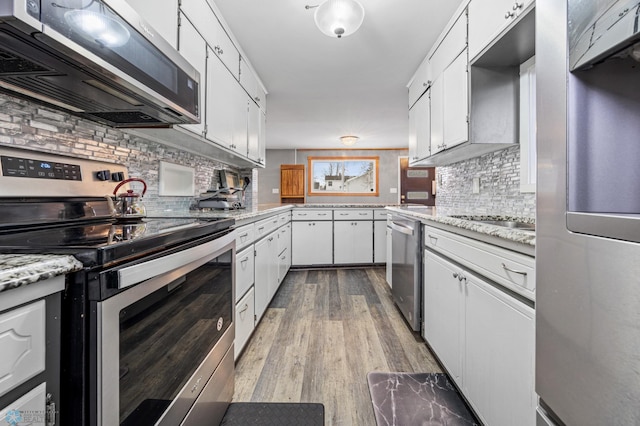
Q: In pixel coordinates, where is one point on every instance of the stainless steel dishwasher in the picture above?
(406, 267)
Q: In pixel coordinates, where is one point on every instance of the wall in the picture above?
(499, 174)
(27, 125)
(387, 165)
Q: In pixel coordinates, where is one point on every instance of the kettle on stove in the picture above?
(129, 204)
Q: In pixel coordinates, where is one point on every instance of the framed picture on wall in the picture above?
(343, 176)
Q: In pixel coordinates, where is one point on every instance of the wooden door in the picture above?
(417, 184)
(292, 183)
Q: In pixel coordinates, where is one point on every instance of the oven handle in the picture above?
(141, 272)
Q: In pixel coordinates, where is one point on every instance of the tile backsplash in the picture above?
(499, 174)
(24, 124)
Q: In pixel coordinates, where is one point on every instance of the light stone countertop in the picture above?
(442, 218)
(17, 270)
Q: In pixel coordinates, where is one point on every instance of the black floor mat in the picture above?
(408, 399)
(274, 413)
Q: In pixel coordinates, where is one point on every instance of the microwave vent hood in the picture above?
(141, 82)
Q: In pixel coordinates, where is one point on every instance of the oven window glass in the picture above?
(166, 335)
(97, 28)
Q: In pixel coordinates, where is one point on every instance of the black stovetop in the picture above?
(105, 242)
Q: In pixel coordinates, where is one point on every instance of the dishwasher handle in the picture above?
(408, 230)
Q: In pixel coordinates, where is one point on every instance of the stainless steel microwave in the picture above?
(97, 59)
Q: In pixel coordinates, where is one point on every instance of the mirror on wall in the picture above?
(343, 176)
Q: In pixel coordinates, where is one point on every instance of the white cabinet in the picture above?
(32, 405)
(499, 355)
(194, 49)
(482, 334)
(245, 268)
(389, 257)
(443, 303)
(266, 272)
(420, 128)
(420, 82)
(250, 83)
(244, 320)
(488, 18)
(456, 102)
(353, 241)
(312, 242)
(22, 339)
(437, 115)
(163, 19)
(221, 106)
(379, 241)
(256, 133)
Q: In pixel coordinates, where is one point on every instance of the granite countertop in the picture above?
(17, 270)
(433, 215)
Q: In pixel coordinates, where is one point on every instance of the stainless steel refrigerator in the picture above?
(588, 212)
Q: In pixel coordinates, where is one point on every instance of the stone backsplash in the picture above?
(24, 124)
(499, 174)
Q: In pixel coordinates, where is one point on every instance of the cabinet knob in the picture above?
(455, 275)
(257, 99)
(517, 5)
(509, 14)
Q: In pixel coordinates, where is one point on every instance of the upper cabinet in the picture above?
(232, 98)
(488, 18)
(163, 19)
(420, 82)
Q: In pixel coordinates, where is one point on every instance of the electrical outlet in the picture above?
(393, 190)
(476, 185)
(275, 191)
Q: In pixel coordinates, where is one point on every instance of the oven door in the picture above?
(161, 340)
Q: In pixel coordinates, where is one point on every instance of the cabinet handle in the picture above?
(244, 308)
(218, 50)
(245, 259)
(363, 214)
(322, 214)
(261, 228)
(506, 268)
(509, 14)
(425, 84)
(257, 99)
(246, 234)
(433, 238)
(270, 238)
(302, 214)
(517, 6)
(455, 275)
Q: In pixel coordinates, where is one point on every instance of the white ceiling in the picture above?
(321, 88)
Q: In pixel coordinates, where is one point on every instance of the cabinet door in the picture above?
(220, 99)
(379, 241)
(194, 49)
(353, 241)
(312, 243)
(245, 322)
(245, 266)
(420, 83)
(413, 135)
(456, 103)
(264, 272)
(240, 105)
(487, 18)
(292, 180)
(499, 355)
(164, 20)
(420, 128)
(443, 307)
(437, 115)
(253, 132)
(389, 257)
(262, 140)
(33, 403)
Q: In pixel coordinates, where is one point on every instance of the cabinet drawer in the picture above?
(380, 214)
(284, 218)
(513, 270)
(22, 339)
(454, 42)
(266, 226)
(245, 266)
(352, 214)
(33, 401)
(308, 214)
(245, 321)
(244, 236)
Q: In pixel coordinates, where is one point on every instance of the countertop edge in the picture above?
(19, 270)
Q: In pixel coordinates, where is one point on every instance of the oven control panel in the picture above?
(65, 176)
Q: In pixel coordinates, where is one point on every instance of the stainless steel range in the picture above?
(148, 323)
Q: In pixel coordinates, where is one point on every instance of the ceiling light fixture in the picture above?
(349, 140)
(338, 18)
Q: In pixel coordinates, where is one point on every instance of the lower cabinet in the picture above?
(312, 242)
(485, 338)
(245, 264)
(353, 241)
(245, 322)
(380, 241)
(266, 272)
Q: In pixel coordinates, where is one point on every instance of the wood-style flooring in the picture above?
(322, 333)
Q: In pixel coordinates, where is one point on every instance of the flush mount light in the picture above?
(338, 18)
(349, 140)
(98, 27)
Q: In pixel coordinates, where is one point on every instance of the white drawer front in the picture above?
(284, 218)
(245, 312)
(265, 226)
(308, 214)
(284, 238)
(244, 236)
(22, 339)
(380, 214)
(30, 407)
(245, 266)
(352, 214)
(513, 270)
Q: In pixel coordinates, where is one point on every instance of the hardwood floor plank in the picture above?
(323, 332)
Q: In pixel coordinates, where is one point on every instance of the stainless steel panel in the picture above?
(406, 268)
(587, 316)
